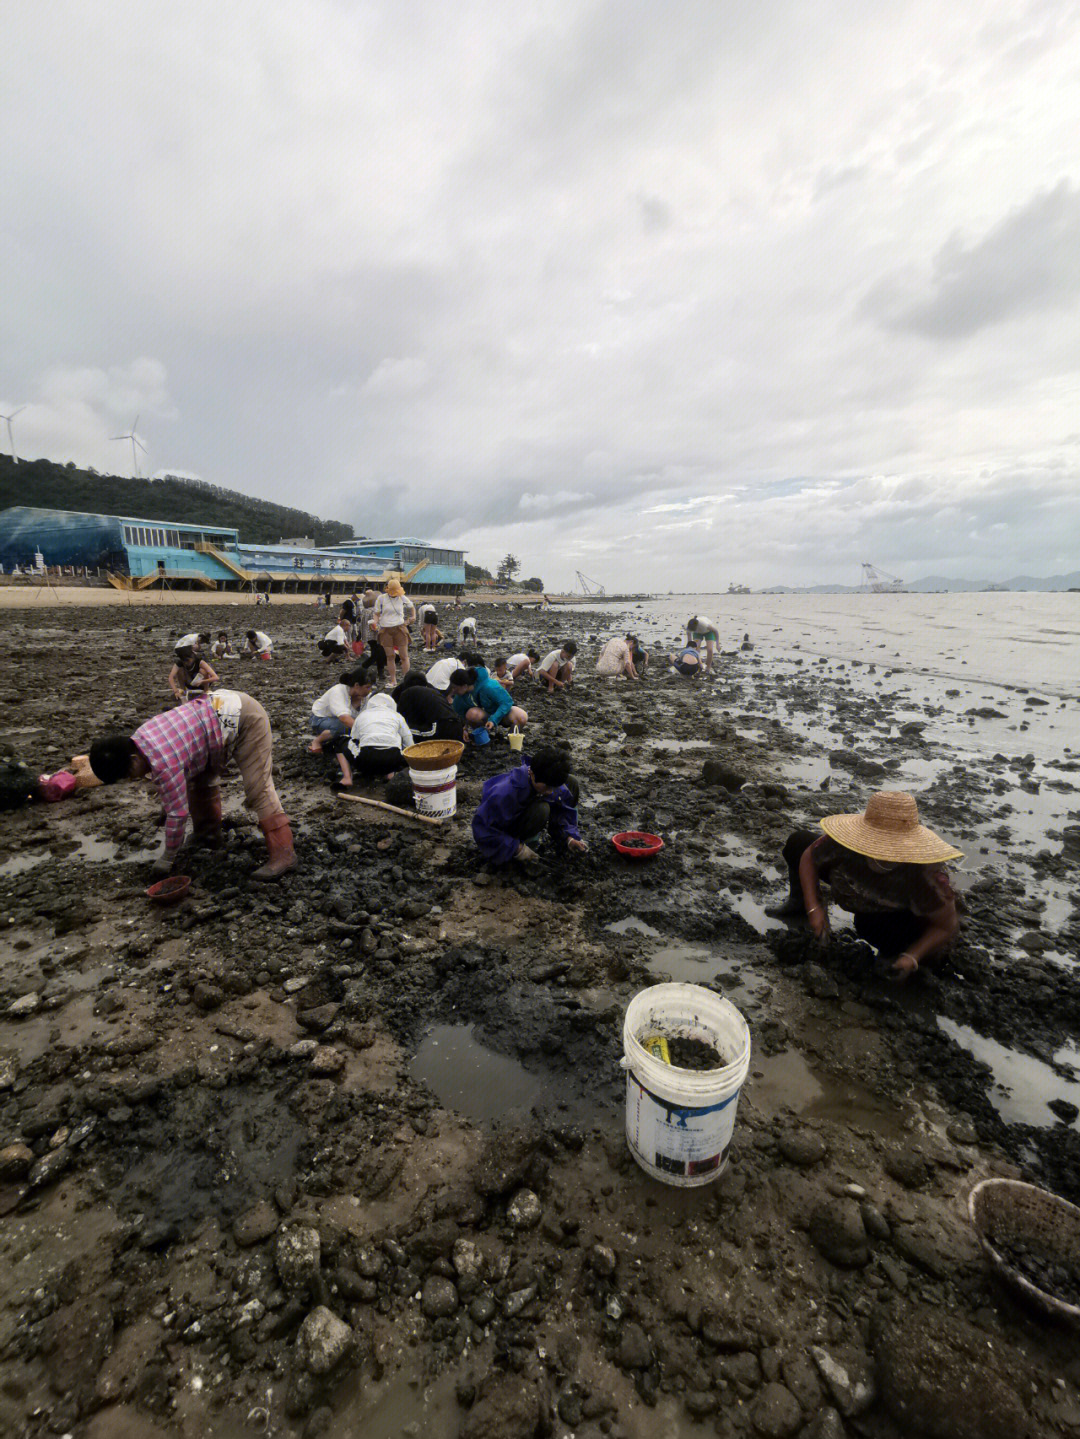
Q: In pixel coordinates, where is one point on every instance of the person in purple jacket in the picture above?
(515, 808)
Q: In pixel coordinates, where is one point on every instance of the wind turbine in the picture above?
(133, 437)
(7, 419)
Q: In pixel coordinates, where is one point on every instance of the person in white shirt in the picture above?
(701, 627)
(378, 736)
(194, 641)
(556, 670)
(429, 620)
(256, 643)
(334, 642)
(438, 676)
(394, 613)
(521, 664)
(222, 647)
(466, 631)
(334, 713)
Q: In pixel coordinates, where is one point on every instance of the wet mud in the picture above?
(346, 1154)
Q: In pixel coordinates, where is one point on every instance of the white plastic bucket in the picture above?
(435, 791)
(680, 1122)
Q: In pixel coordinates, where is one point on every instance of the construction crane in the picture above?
(882, 583)
(589, 587)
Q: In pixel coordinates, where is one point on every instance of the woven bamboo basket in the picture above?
(434, 754)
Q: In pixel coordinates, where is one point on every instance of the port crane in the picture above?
(589, 587)
(882, 583)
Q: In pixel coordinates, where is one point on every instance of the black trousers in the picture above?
(536, 815)
(889, 931)
(372, 761)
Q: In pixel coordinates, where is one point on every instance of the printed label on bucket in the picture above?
(677, 1139)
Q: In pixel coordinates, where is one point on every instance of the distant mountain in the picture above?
(934, 584)
(63, 487)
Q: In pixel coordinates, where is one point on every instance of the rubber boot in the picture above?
(204, 806)
(794, 907)
(279, 842)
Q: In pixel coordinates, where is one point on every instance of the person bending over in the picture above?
(617, 658)
(378, 736)
(483, 703)
(516, 808)
(184, 751)
(334, 643)
(884, 868)
(556, 670)
(427, 711)
(688, 662)
(522, 663)
(190, 675)
(258, 644)
(701, 628)
(429, 625)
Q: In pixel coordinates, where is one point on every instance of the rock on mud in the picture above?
(298, 1256)
(838, 1232)
(524, 1210)
(322, 1341)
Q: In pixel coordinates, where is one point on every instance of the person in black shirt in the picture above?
(426, 710)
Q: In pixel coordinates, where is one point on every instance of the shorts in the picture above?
(707, 635)
(395, 638)
(320, 724)
(431, 618)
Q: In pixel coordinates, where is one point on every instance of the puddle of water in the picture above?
(19, 863)
(679, 744)
(472, 1080)
(97, 850)
(1023, 1085)
(631, 924)
(788, 1079)
(700, 964)
(751, 909)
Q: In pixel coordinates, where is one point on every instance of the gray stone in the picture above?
(327, 1060)
(908, 1167)
(827, 1424)
(634, 1350)
(849, 1380)
(468, 1261)
(776, 1413)
(24, 1005)
(15, 1160)
(322, 1341)
(802, 1147)
(940, 1377)
(837, 1230)
(930, 1252)
(438, 1298)
(819, 983)
(255, 1224)
(9, 1071)
(524, 1210)
(298, 1255)
(961, 1130)
(602, 1260)
(742, 1371)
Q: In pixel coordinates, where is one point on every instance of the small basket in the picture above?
(169, 891)
(433, 754)
(652, 845)
(1010, 1209)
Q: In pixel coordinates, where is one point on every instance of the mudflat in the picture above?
(346, 1154)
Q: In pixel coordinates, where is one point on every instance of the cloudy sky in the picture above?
(676, 295)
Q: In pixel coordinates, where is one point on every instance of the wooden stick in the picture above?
(393, 808)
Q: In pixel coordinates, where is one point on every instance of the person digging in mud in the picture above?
(522, 663)
(516, 808)
(426, 710)
(378, 736)
(700, 628)
(884, 868)
(222, 647)
(258, 645)
(556, 670)
(639, 654)
(335, 642)
(184, 751)
(194, 641)
(190, 675)
(617, 658)
(688, 662)
(482, 702)
(334, 713)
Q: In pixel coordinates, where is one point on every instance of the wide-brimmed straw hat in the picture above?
(889, 830)
(394, 589)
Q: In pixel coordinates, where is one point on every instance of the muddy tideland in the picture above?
(346, 1155)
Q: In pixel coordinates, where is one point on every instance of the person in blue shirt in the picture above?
(517, 807)
(482, 702)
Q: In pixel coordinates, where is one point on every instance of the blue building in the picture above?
(131, 553)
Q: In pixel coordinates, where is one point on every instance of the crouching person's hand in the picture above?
(577, 844)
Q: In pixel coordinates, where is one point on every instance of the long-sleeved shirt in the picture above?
(503, 801)
(379, 726)
(489, 695)
(178, 745)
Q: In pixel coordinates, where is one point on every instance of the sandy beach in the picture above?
(389, 1088)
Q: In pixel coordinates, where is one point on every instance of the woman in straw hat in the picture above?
(394, 613)
(887, 870)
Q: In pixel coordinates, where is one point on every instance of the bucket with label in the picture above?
(680, 1120)
(433, 776)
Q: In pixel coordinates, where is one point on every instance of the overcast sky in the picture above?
(676, 295)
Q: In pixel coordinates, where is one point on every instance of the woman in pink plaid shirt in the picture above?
(184, 751)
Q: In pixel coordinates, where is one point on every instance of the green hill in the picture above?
(194, 502)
